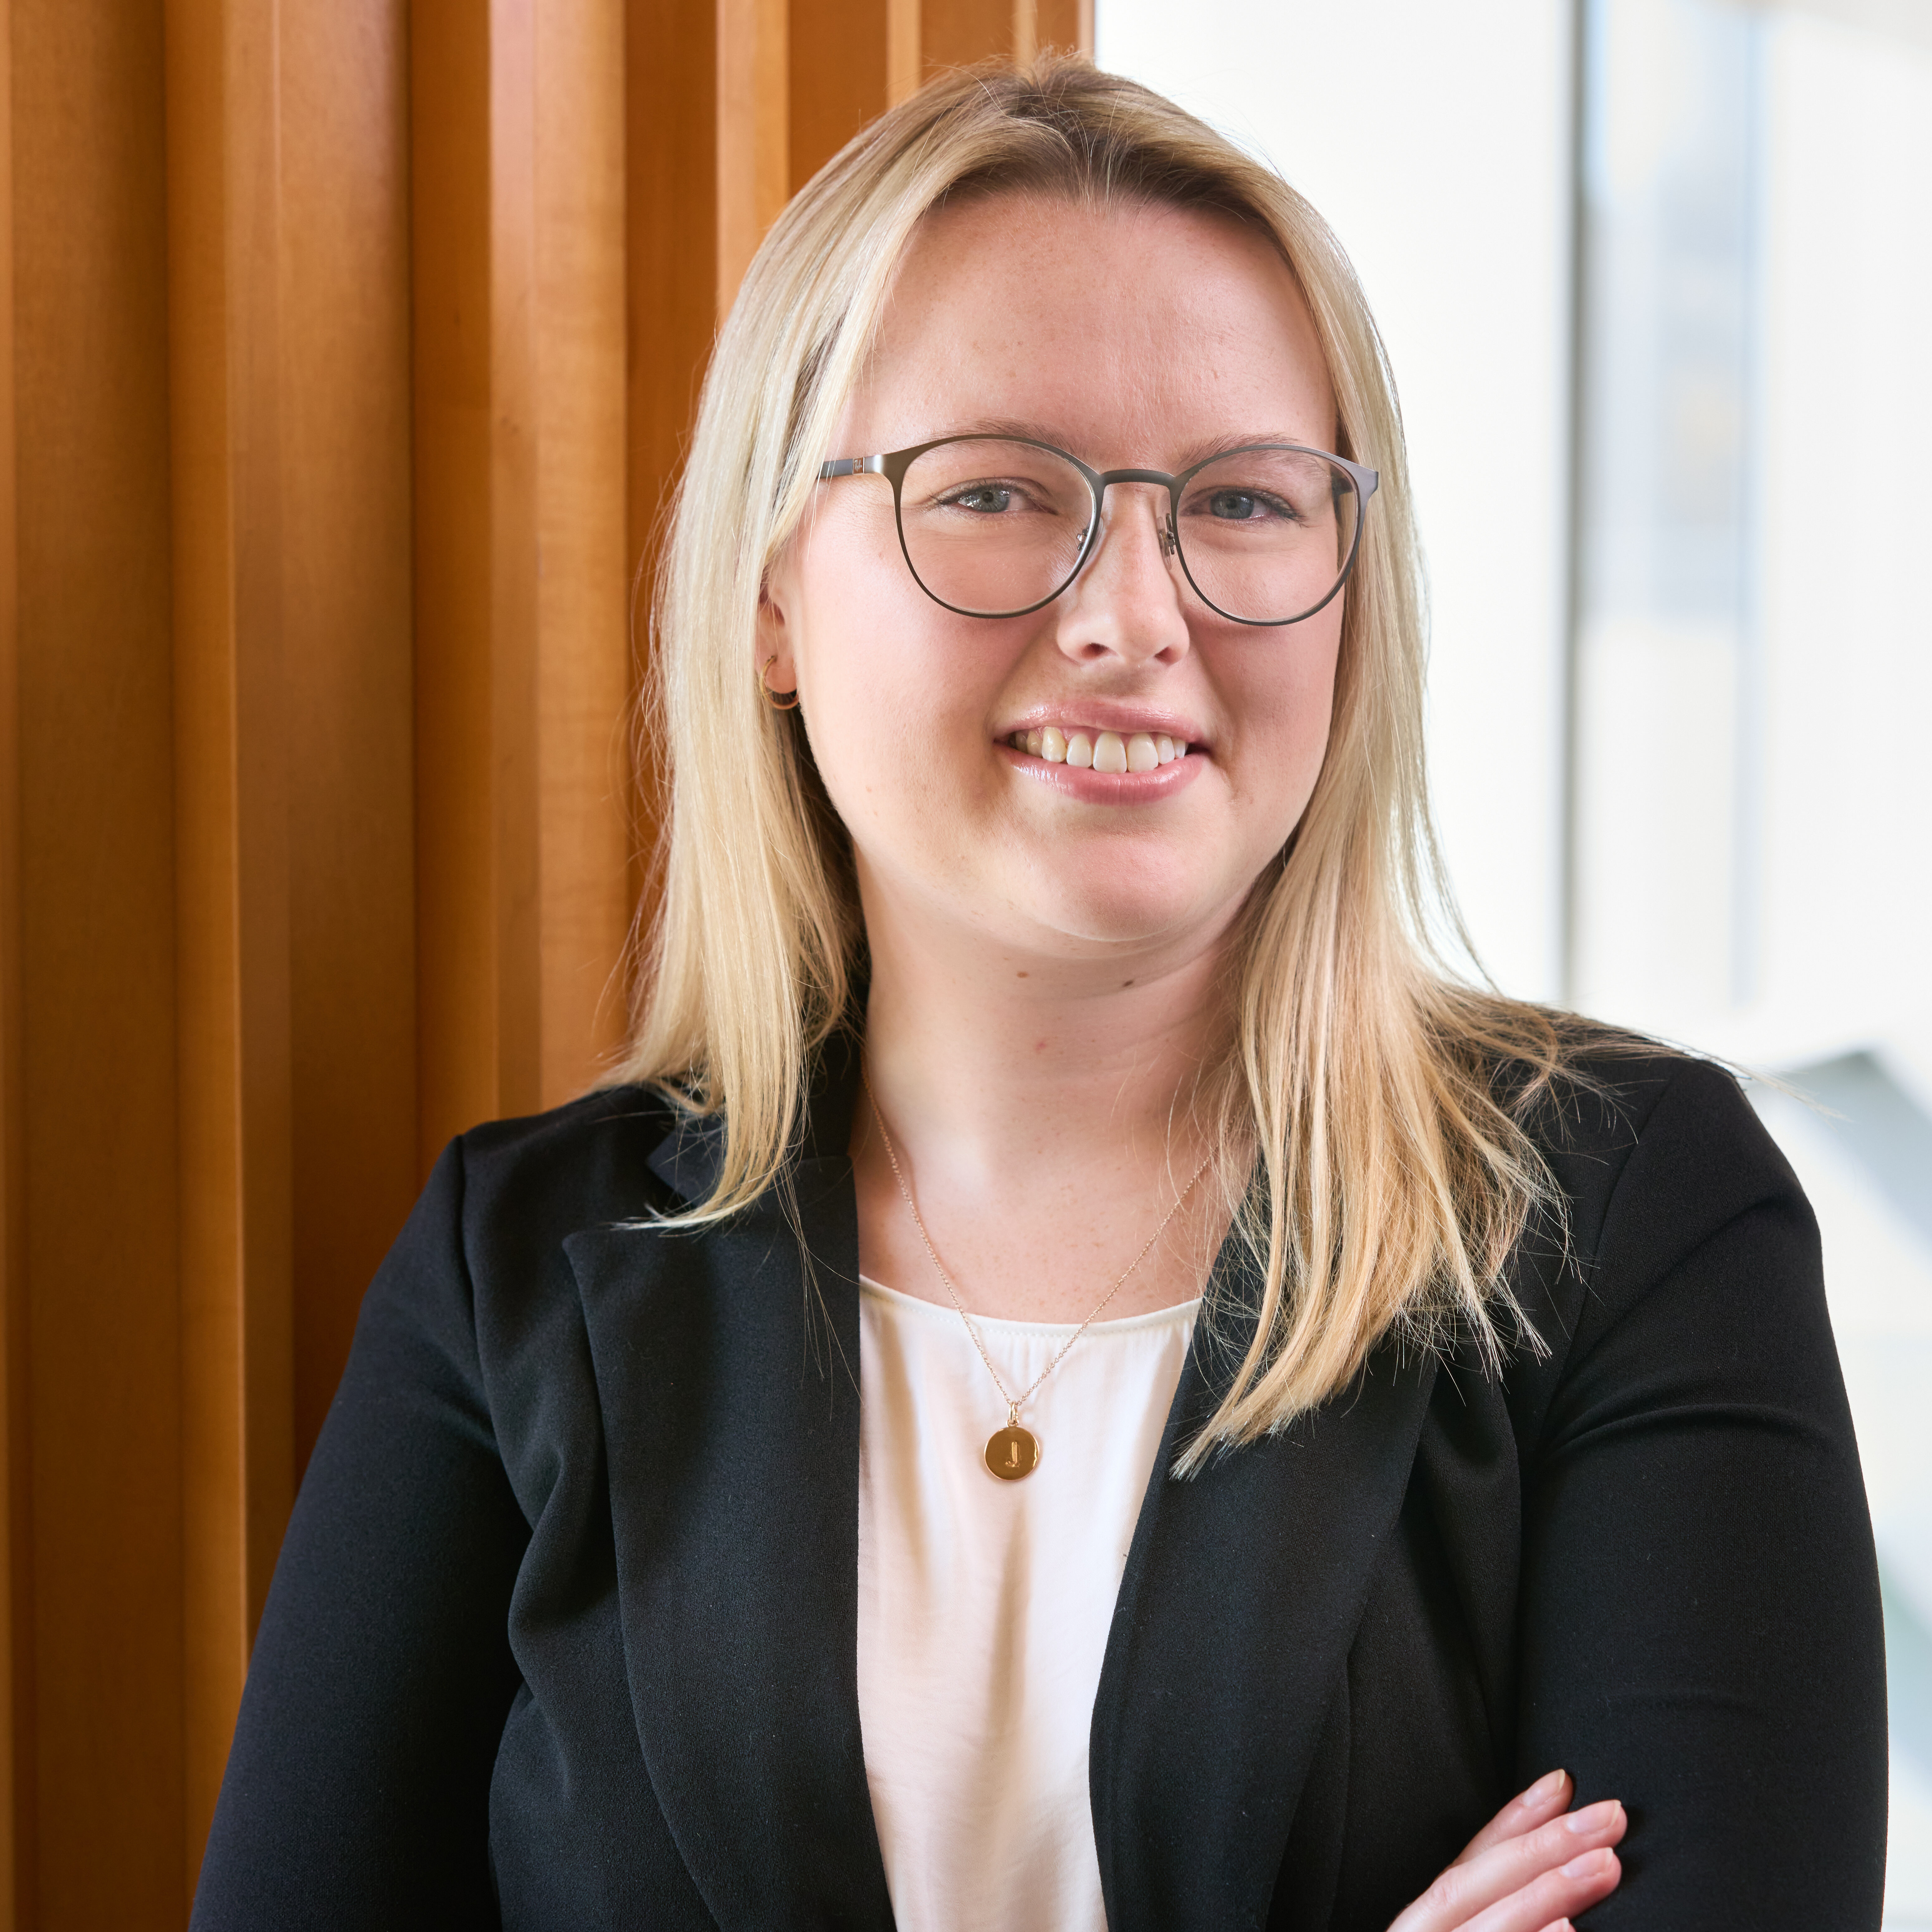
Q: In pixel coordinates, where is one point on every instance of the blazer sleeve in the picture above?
(357, 1789)
(1701, 1633)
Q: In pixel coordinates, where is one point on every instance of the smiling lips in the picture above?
(1100, 751)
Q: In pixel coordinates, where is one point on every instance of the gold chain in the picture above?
(1015, 1403)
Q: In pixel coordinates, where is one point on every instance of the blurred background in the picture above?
(1656, 279)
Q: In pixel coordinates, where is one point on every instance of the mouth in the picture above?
(1087, 748)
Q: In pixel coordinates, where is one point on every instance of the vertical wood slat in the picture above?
(231, 762)
(16, 1545)
(99, 1193)
(902, 54)
(522, 585)
(583, 651)
(477, 968)
(1066, 24)
(841, 66)
(672, 279)
(958, 33)
(347, 655)
(754, 131)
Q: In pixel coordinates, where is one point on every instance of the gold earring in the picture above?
(775, 699)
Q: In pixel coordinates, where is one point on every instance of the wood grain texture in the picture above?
(347, 664)
(672, 275)
(16, 1646)
(958, 33)
(97, 965)
(841, 52)
(511, 822)
(232, 750)
(584, 658)
(753, 131)
(903, 69)
(478, 971)
(1067, 25)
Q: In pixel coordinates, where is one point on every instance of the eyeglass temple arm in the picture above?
(851, 466)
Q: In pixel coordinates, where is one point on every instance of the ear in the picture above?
(776, 667)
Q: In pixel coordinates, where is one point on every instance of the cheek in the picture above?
(895, 690)
(1287, 708)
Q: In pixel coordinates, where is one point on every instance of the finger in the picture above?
(1549, 1900)
(1544, 1800)
(1465, 1891)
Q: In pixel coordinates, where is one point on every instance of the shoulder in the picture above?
(1686, 1238)
(479, 1285)
(1651, 1146)
(585, 1164)
(490, 1226)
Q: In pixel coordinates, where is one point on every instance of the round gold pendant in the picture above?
(1012, 1453)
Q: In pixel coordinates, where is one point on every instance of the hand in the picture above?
(1527, 1869)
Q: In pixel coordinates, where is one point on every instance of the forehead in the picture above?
(1133, 334)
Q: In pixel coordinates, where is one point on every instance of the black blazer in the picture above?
(563, 1633)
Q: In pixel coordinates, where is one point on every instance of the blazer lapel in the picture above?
(1243, 1590)
(728, 1385)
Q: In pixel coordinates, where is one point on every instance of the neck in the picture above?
(984, 1062)
(1041, 1108)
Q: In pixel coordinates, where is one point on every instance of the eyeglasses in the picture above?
(998, 526)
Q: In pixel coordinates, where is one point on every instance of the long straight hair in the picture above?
(1368, 1116)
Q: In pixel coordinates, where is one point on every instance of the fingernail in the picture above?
(1591, 1864)
(1593, 1817)
(1547, 1785)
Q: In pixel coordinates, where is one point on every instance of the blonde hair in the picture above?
(1382, 1172)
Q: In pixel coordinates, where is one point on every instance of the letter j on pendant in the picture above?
(1012, 1453)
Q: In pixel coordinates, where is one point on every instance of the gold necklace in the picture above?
(1013, 1452)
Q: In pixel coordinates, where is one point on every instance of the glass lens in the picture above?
(993, 526)
(1266, 533)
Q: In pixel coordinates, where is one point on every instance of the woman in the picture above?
(1078, 1380)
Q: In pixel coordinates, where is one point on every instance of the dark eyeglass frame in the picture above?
(893, 465)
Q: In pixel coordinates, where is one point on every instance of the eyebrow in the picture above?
(1037, 432)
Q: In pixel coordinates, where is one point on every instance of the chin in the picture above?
(1129, 919)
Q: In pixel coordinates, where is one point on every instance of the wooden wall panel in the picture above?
(957, 33)
(753, 90)
(522, 539)
(671, 268)
(477, 968)
(90, 465)
(1066, 24)
(841, 74)
(232, 749)
(347, 664)
(584, 659)
(348, 350)
(16, 1646)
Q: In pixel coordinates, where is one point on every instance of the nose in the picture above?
(1126, 603)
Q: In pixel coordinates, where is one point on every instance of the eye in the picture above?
(983, 500)
(1243, 506)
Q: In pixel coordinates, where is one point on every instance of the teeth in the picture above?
(1100, 751)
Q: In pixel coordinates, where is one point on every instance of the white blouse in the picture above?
(984, 1606)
